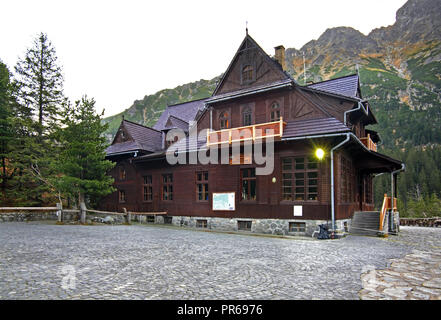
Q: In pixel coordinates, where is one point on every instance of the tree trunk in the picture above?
(82, 208)
(3, 175)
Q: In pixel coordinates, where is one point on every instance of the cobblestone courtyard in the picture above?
(46, 261)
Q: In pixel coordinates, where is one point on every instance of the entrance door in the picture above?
(360, 189)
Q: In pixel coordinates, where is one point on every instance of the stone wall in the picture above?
(27, 216)
(261, 226)
(421, 222)
(68, 217)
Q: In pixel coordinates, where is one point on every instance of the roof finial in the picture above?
(357, 66)
(246, 27)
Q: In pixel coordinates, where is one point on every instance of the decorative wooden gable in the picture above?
(122, 135)
(250, 67)
(304, 108)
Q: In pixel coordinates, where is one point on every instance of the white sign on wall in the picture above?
(224, 201)
(298, 211)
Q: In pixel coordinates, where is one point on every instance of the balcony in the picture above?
(247, 133)
(367, 141)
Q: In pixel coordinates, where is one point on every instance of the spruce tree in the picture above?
(82, 148)
(6, 132)
(38, 90)
(40, 83)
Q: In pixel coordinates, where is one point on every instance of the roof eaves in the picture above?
(142, 125)
(353, 99)
(242, 93)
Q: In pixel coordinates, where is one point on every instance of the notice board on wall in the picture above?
(225, 201)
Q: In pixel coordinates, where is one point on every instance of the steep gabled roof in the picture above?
(250, 44)
(140, 138)
(185, 112)
(176, 123)
(348, 86)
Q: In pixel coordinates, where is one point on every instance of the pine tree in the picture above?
(40, 83)
(38, 92)
(82, 163)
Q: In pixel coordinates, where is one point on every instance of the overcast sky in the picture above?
(120, 51)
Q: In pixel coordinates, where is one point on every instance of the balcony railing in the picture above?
(367, 141)
(247, 133)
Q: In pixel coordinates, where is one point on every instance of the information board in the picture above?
(224, 201)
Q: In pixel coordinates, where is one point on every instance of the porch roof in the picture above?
(370, 161)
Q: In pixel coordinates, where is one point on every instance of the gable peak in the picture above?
(250, 67)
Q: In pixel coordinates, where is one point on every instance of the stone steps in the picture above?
(365, 223)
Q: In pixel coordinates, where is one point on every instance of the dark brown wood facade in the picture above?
(269, 202)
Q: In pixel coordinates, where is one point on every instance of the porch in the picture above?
(370, 162)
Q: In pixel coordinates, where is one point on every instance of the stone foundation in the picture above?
(261, 226)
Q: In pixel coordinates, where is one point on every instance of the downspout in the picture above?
(348, 137)
(360, 107)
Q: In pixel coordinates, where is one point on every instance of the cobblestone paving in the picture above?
(417, 276)
(43, 261)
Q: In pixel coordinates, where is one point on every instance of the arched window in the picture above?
(246, 117)
(247, 73)
(122, 174)
(275, 112)
(223, 120)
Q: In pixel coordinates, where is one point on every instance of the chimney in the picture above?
(280, 56)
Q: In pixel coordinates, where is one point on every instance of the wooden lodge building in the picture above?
(301, 192)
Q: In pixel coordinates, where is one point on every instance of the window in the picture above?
(246, 117)
(201, 224)
(299, 179)
(202, 186)
(122, 135)
(248, 184)
(150, 219)
(297, 227)
(147, 188)
(247, 74)
(122, 174)
(223, 120)
(275, 112)
(244, 225)
(122, 196)
(167, 187)
(168, 220)
(168, 143)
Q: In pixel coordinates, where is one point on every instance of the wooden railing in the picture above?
(387, 205)
(247, 133)
(367, 141)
